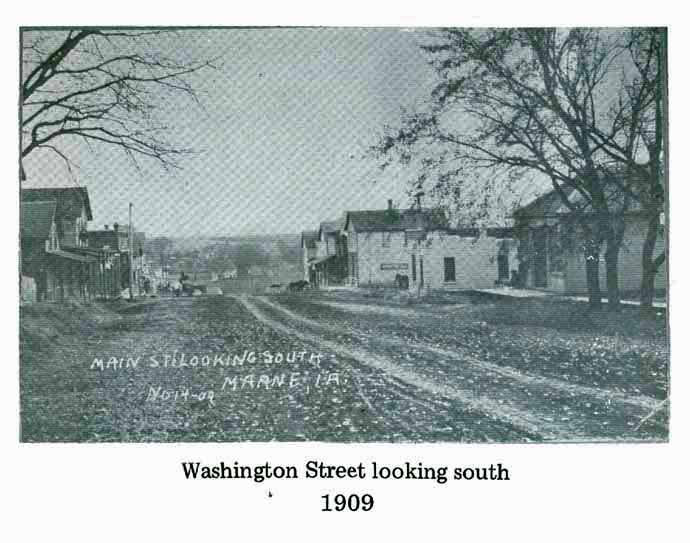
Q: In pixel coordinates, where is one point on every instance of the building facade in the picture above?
(324, 255)
(446, 259)
(60, 258)
(55, 264)
(552, 248)
(412, 248)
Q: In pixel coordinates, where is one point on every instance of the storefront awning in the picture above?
(317, 261)
(73, 256)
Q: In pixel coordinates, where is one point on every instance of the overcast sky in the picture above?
(284, 126)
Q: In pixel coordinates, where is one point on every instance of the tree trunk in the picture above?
(592, 268)
(649, 267)
(615, 229)
(612, 291)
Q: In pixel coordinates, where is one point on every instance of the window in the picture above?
(414, 268)
(503, 271)
(449, 269)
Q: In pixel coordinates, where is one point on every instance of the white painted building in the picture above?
(386, 246)
(439, 259)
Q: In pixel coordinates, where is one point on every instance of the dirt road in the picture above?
(290, 367)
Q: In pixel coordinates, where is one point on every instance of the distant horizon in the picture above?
(93, 225)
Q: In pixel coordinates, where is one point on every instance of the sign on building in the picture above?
(390, 266)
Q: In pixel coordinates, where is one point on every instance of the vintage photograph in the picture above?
(399, 235)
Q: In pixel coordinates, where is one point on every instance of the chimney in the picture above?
(105, 226)
(116, 226)
(390, 204)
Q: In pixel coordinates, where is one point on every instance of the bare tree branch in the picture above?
(573, 105)
(107, 87)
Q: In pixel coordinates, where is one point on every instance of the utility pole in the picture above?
(130, 239)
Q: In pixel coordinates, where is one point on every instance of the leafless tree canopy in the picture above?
(105, 87)
(580, 107)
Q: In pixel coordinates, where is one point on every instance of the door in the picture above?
(503, 268)
(449, 269)
(539, 257)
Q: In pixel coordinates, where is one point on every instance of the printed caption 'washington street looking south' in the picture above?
(343, 235)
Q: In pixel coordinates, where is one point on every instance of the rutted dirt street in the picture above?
(330, 368)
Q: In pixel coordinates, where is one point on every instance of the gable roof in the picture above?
(551, 203)
(332, 227)
(387, 220)
(65, 197)
(309, 238)
(36, 218)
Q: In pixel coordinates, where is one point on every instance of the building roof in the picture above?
(551, 203)
(101, 238)
(387, 220)
(309, 238)
(36, 219)
(501, 232)
(65, 197)
(332, 226)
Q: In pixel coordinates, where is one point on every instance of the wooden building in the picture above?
(552, 246)
(417, 247)
(413, 248)
(57, 261)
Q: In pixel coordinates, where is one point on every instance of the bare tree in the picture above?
(103, 87)
(637, 140)
(653, 196)
(515, 101)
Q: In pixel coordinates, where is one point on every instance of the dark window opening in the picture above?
(449, 269)
(503, 271)
(414, 268)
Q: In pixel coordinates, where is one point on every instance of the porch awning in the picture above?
(317, 261)
(73, 256)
